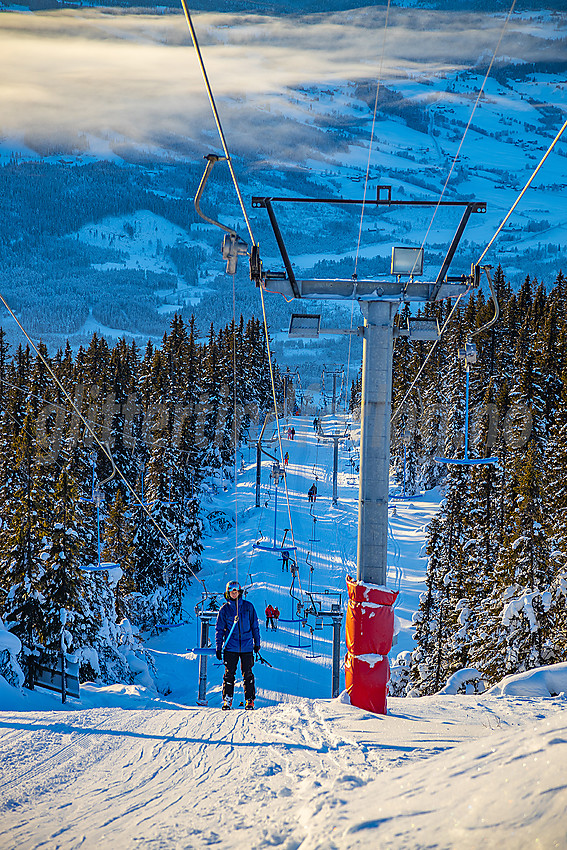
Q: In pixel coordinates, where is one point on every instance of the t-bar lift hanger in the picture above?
(232, 245)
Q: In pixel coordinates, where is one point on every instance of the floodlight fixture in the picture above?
(304, 325)
(419, 329)
(407, 261)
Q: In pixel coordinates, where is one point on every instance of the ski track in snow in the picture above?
(188, 765)
(136, 769)
(288, 775)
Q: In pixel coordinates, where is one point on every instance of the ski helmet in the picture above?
(232, 585)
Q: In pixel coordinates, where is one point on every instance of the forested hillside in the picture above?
(53, 280)
(171, 419)
(497, 571)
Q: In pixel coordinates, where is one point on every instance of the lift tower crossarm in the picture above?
(470, 208)
(281, 246)
(258, 201)
(440, 288)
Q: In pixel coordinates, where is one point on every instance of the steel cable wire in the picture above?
(239, 194)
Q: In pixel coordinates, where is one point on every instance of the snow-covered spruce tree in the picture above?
(406, 448)
(441, 650)
(212, 409)
(176, 511)
(118, 547)
(130, 405)
(355, 393)
(80, 469)
(22, 537)
(527, 572)
(120, 415)
(556, 524)
(146, 606)
(549, 360)
(256, 367)
(63, 580)
(165, 511)
(512, 571)
(425, 668)
(227, 418)
(4, 349)
(433, 418)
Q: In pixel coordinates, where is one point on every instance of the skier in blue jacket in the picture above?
(237, 637)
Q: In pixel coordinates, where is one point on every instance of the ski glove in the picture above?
(256, 648)
(219, 654)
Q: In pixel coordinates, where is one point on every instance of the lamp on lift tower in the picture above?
(407, 261)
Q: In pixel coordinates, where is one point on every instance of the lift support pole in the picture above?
(379, 300)
(336, 687)
(259, 451)
(372, 549)
(335, 438)
(202, 696)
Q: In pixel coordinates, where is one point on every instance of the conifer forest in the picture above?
(496, 584)
(171, 419)
(120, 486)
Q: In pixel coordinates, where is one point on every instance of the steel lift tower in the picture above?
(379, 301)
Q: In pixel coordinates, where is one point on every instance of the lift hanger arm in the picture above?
(233, 246)
(211, 158)
(495, 302)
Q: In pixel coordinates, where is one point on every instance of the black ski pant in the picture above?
(230, 665)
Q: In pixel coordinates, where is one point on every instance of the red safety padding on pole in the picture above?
(366, 681)
(358, 591)
(370, 618)
(369, 635)
(369, 628)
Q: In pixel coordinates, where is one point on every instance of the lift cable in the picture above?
(518, 199)
(105, 449)
(444, 188)
(276, 411)
(513, 207)
(216, 116)
(378, 84)
(234, 423)
(479, 95)
(240, 199)
(94, 423)
(429, 353)
(445, 323)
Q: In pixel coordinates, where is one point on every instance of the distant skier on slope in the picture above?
(237, 637)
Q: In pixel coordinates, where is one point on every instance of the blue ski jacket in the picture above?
(246, 633)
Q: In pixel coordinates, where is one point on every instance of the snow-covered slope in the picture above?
(437, 773)
(129, 767)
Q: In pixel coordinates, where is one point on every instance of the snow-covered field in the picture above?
(129, 767)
